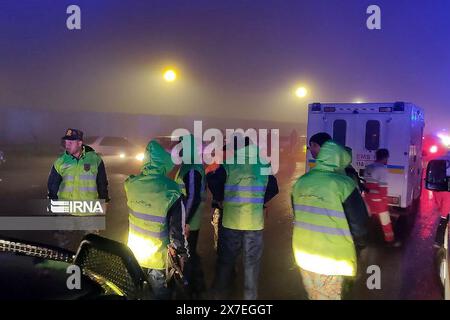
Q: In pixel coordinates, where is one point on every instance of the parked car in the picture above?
(116, 147)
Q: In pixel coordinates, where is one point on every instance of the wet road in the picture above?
(407, 272)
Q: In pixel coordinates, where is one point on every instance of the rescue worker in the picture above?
(243, 191)
(376, 175)
(156, 218)
(78, 174)
(330, 219)
(351, 172)
(317, 140)
(191, 180)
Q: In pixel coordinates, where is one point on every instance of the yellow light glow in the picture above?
(140, 157)
(170, 75)
(323, 265)
(122, 155)
(358, 101)
(301, 92)
(143, 249)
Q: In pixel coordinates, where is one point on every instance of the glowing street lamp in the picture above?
(170, 75)
(301, 92)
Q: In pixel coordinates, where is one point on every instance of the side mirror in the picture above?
(438, 175)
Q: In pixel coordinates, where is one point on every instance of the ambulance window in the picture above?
(339, 131)
(372, 135)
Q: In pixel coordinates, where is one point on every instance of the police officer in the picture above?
(156, 218)
(78, 174)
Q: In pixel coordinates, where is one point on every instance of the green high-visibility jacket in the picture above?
(150, 195)
(79, 176)
(245, 187)
(322, 241)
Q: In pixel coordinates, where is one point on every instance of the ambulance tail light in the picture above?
(395, 201)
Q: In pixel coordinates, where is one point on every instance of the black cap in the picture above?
(73, 134)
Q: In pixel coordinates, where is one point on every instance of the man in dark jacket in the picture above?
(78, 174)
(77, 155)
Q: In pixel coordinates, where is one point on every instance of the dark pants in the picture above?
(157, 280)
(231, 244)
(193, 269)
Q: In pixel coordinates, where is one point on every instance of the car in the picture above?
(442, 263)
(438, 179)
(117, 148)
(167, 142)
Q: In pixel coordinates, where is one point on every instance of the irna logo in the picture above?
(74, 207)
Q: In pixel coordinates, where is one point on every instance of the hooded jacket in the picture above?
(329, 215)
(156, 211)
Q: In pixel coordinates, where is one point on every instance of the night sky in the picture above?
(234, 58)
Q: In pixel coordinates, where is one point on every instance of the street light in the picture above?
(301, 92)
(170, 75)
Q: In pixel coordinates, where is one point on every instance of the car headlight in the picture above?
(140, 157)
(121, 155)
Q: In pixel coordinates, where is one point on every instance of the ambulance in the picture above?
(367, 127)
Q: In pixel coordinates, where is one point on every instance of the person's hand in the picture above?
(105, 207)
(172, 251)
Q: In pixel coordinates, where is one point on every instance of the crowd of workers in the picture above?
(331, 207)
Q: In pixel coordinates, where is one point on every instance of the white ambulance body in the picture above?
(366, 127)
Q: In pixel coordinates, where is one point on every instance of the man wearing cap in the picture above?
(79, 173)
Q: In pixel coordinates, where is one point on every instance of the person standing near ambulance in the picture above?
(376, 175)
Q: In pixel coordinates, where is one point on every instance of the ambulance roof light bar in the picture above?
(316, 107)
(399, 106)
